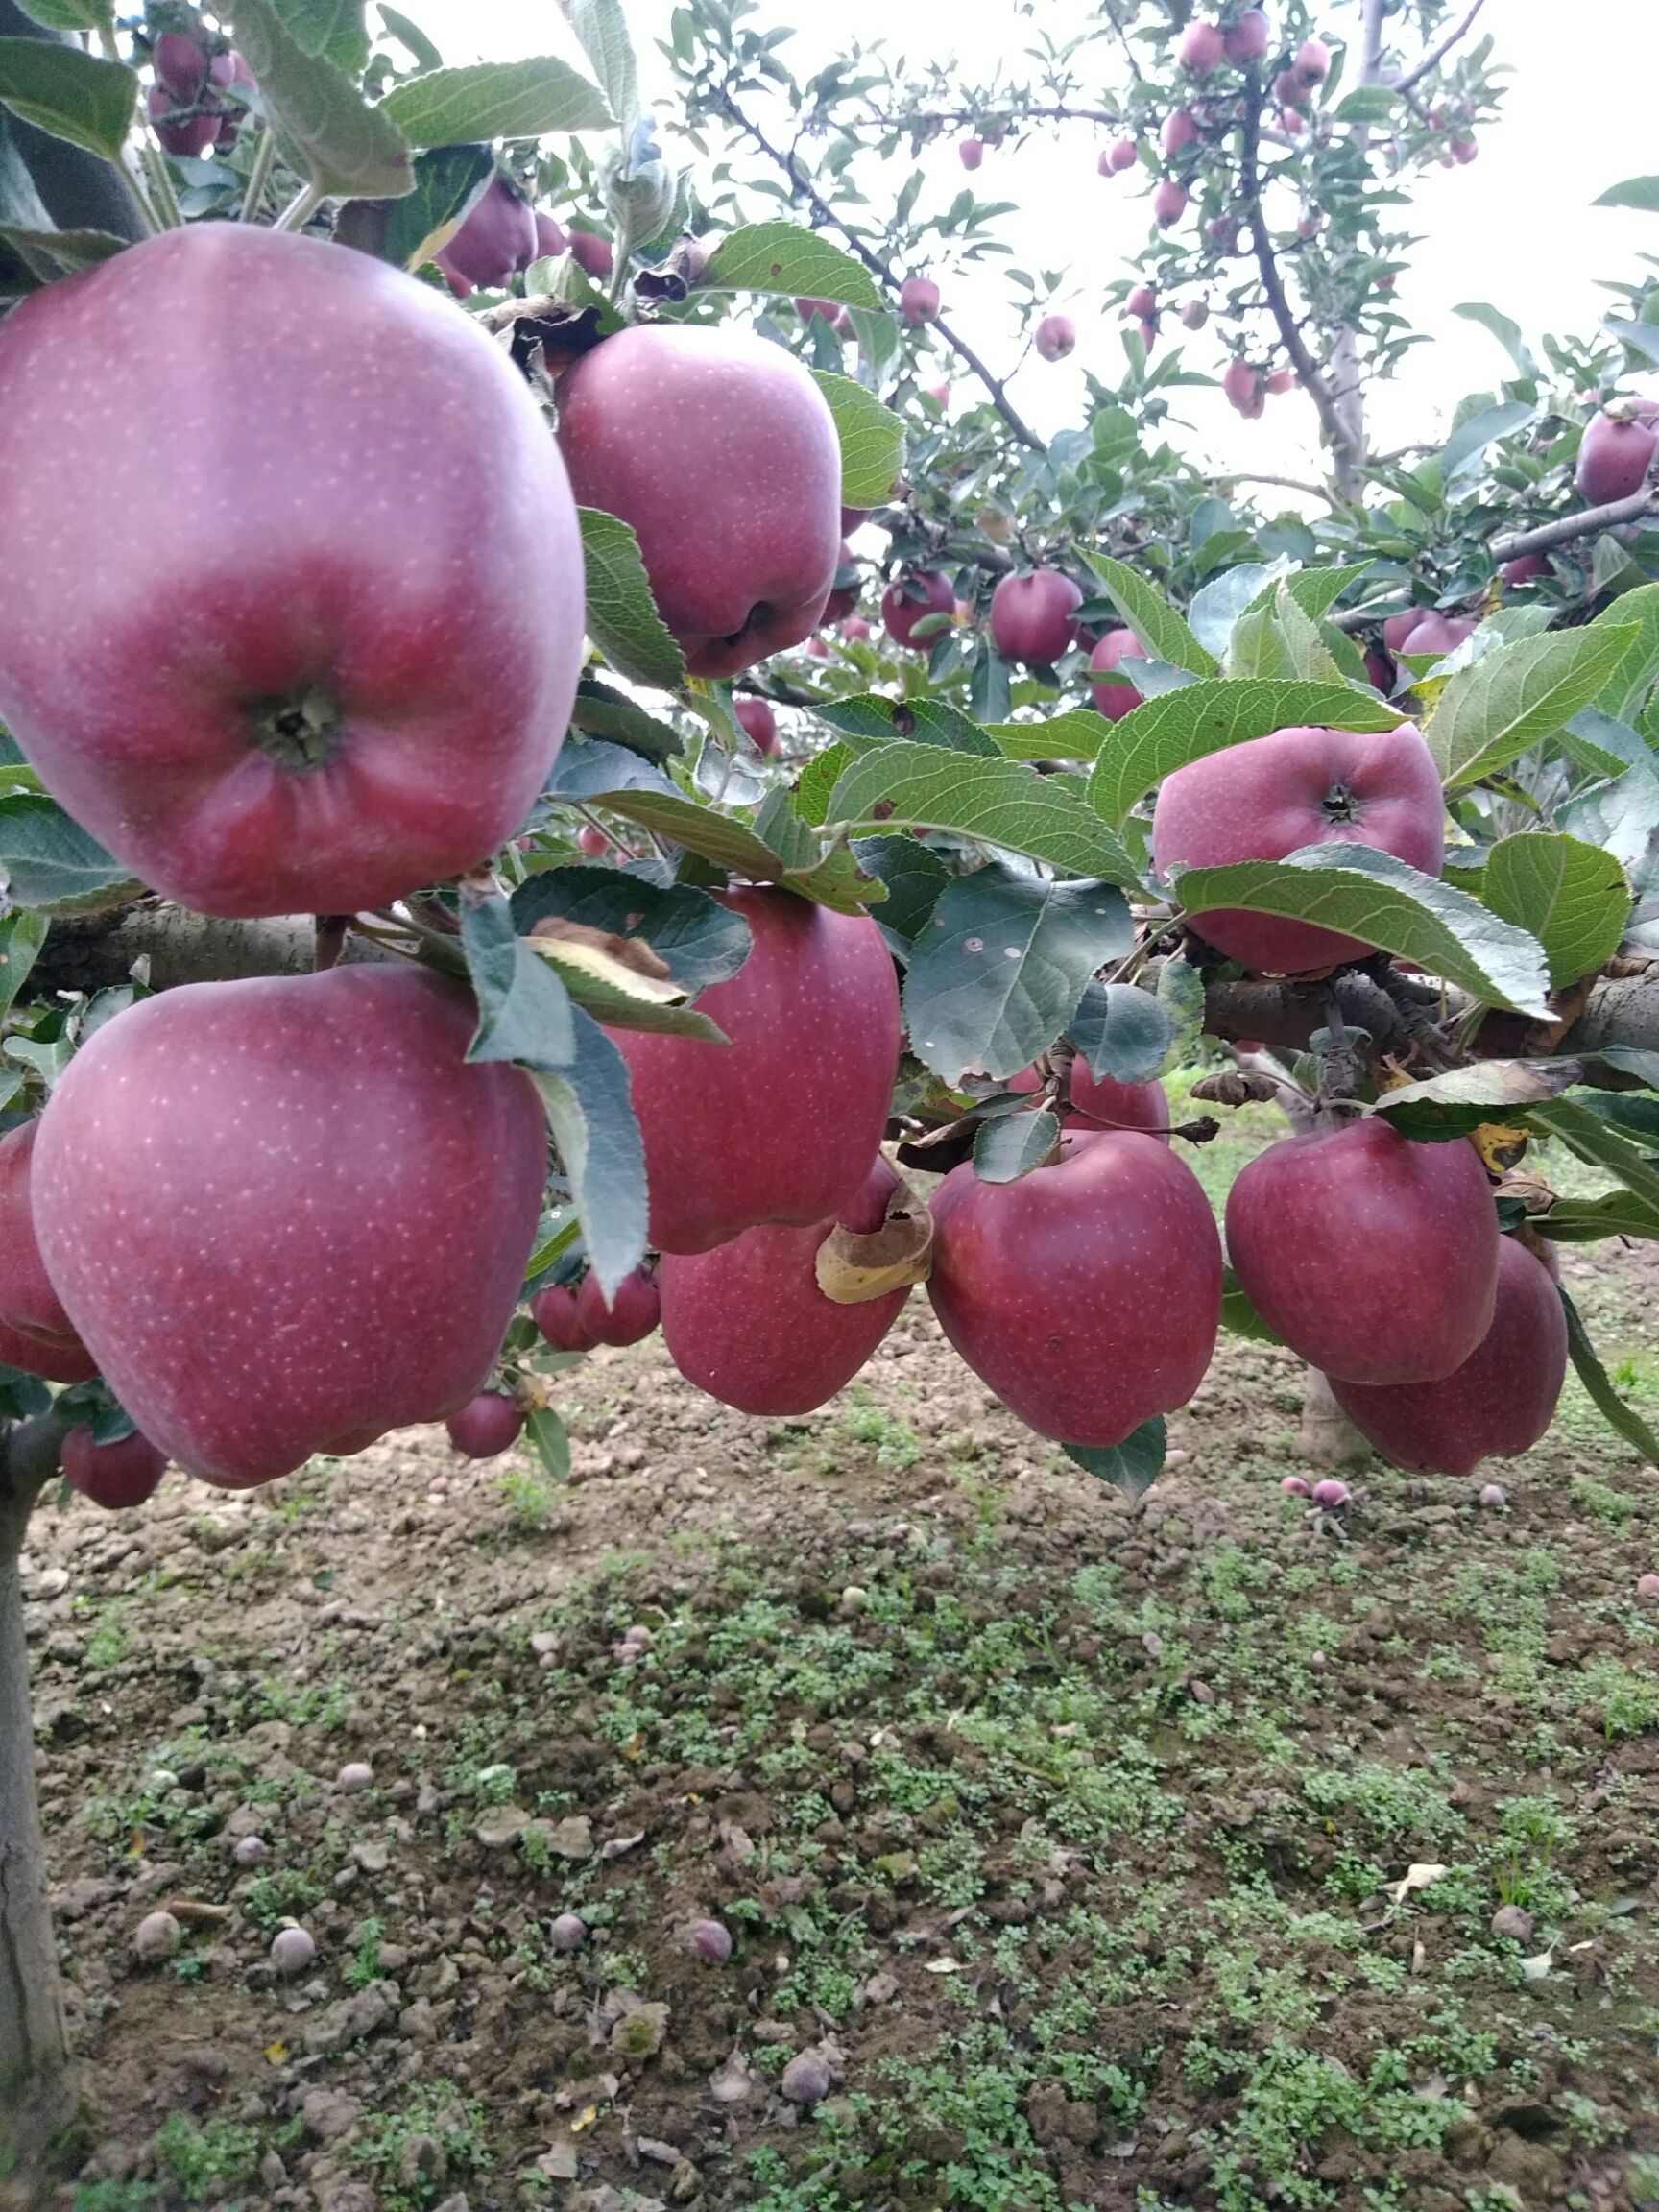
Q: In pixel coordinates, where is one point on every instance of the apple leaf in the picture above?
(490, 100)
(914, 877)
(50, 863)
(69, 93)
(525, 1011)
(701, 941)
(1639, 192)
(21, 937)
(331, 27)
(550, 1441)
(1600, 1143)
(785, 257)
(602, 711)
(1509, 700)
(622, 617)
(410, 36)
(1153, 620)
(1573, 896)
(408, 230)
(999, 970)
(833, 879)
(1382, 902)
(923, 721)
(1587, 1220)
(1626, 691)
(590, 1112)
(1012, 1144)
(1461, 1101)
(1238, 1315)
(999, 803)
(602, 30)
(1606, 747)
(871, 439)
(347, 148)
(1619, 1416)
(54, 254)
(1181, 726)
(815, 785)
(1317, 591)
(1122, 1031)
(1132, 1466)
(1076, 735)
(70, 15)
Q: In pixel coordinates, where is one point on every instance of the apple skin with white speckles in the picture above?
(781, 1122)
(315, 511)
(288, 1215)
(720, 453)
(1088, 1293)
(35, 1333)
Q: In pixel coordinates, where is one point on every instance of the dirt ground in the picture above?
(1071, 1854)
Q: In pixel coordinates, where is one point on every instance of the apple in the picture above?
(551, 242)
(940, 395)
(1379, 672)
(1279, 380)
(1376, 1260)
(971, 151)
(757, 718)
(287, 1214)
(781, 1123)
(115, 1475)
(919, 299)
(497, 238)
(828, 311)
(908, 599)
(1614, 458)
(1196, 314)
(1142, 303)
(1202, 49)
(591, 252)
(1398, 627)
(230, 73)
(1464, 151)
(1122, 154)
(1439, 634)
(746, 1322)
(35, 1333)
(592, 840)
(1147, 333)
(351, 675)
(1168, 204)
(629, 1318)
(721, 453)
(1500, 1400)
(1241, 382)
(1101, 1102)
(186, 135)
(1034, 617)
(1311, 62)
(1525, 569)
(845, 597)
(1247, 41)
(1181, 125)
(1222, 231)
(486, 1426)
(1116, 700)
(1056, 337)
(1293, 125)
(554, 1312)
(1275, 795)
(1087, 1295)
(855, 629)
(1292, 93)
(181, 65)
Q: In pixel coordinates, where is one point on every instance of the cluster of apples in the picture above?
(193, 105)
(502, 234)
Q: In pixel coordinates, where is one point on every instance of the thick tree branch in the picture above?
(97, 950)
(1438, 54)
(1583, 524)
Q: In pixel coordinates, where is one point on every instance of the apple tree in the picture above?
(462, 836)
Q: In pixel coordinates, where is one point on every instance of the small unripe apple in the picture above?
(1056, 337)
(1180, 127)
(629, 1316)
(554, 1312)
(1246, 39)
(757, 718)
(1196, 314)
(486, 1426)
(1116, 700)
(1311, 64)
(1122, 154)
(1203, 47)
(1279, 380)
(971, 151)
(1168, 204)
(1141, 302)
(591, 253)
(1033, 617)
(115, 1475)
(908, 599)
(592, 840)
(1525, 569)
(1614, 458)
(919, 299)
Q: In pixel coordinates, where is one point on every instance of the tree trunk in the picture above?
(1327, 1438)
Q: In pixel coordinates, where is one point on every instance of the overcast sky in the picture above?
(1515, 229)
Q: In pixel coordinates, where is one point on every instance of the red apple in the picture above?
(592, 841)
(497, 238)
(288, 1215)
(115, 1475)
(1056, 337)
(1614, 458)
(486, 1426)
(845, 597)
(1293, 125)
(1101, 1102)
(855, 629)
(1398, 627)
(746, 1322)
(591, 252)
(1033, 617)
(1122, 154)
(1439, 634)
(1311, 64)
(919, 299)
(1279, 380)
(1500, 1400)
(1181, 125)
(230, 73)
(1292, 93)
(1242, 381)
(1142, 303)
(828, 311)
(181, 65)
(629, 1318)
(908, 599)
(186, 135)
(1088, 1293)
(1274, 795)
(551, 242)
(35, 1333)
(721, 453)
(757, 718)
(1374, 1258)
(852, 518)
(940, 395)
(1464, 151)
(805, 1083)
(1116, 700)
(554, 1312)
(1168, 204)
(1525, 569)
(971, 151)
(1202, 48)
(1246, 39)
(1379, 672)
(322, 651)
(1147, 333)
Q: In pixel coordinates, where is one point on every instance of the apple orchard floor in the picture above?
(1065, 1834)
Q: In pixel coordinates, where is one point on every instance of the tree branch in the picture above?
(97, 950)
(1286, 483)
(1436, 54)
(1565, 527)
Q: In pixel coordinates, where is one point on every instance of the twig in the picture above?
(1286, 483)
(259, 175)
(1438, 54)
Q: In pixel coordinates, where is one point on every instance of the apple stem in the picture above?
(258, 177)
(301, 208)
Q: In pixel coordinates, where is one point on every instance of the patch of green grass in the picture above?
(534, 1500)
(286, 1895)
(207, 2162)
(437, 2112)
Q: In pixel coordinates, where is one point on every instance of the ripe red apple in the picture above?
(1374, 1258)
(1274, 795)
(554, 1312)
(845, 597)
(486, 1426)
(806, 1082)
(592, 841)
(919, 299)
(115, 1475)
(1525, 569)
(591, 252)
(1293, 125)
(971, 151)
(1168, 204)
(1141, 302)
(1033, 617)
(908, 599)
(1279, 380)
(1056, 337)
(1101, 1102)
(187, 135)
(829, 311)
(1181, 125)
(1292, 93)
(721, 453)
(855, 629)
(1311, 64)
(1499, 1401)
(497, 238)
(1116, 700)
(288, 1215)
(746, 1322)
(629, 1318)
(1614, 458)
(551, 242)
(757, 718)
(1202, 48)
(1398, 627)
(181, 65)
(1379, 672)
(1088, 1293)
(1241, 382)
(852, 518)
(348, 673)
(1246, 39)
(1439, 634)
(35, 1333)
(1122, 154)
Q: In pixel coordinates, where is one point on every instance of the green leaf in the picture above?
(1639, 192)
(411, 37)
(1238, 1315)
(407, 231)
(496, 100)
(1511, 699)
(1591, 1138)
(1078, 734)
(1459, 1102)
(604, 712)
(1132, 1466)
(70, 15)
(1469, 440)
(1572, 897)
(914, 875)
(550, 1441)
(592, 1116)
(52, 865)
(1122, 1031)
(1311, 656)
(785, 257)
(1168, 733)
(62, 252)
(1218, 609)
(923, 721)
(998, 971)
(69, 93)
(1619, 1416)
(1367, 104)
(1626, 691)
(700, 941)
(1588, 1220)
(331, 27)
(1372, 895)
(622, 617)
(1508, 335)
(834, 878)
(525, 1011)
(1013, 1144)
(871, 439)
(999, 803)
(1317, 591)
(602, 31)
(349, 149)
(1152, 618)
(21, 937)
(1604, 745)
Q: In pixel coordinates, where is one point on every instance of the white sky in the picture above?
(1515, 229)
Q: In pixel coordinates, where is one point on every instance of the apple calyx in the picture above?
(1341, 804)
(854, 1267)
(300, 732)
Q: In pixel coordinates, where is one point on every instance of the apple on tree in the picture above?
(554, 1312)
(754, 716)
(124, 1473)
(349, 677)
(1116, 700)
(591, 253)
(1034, 617)
(909, 599)
(497, 238)
(486, 1426)
(1056, 337)
(628, 1317)
(1202, 49)
(1103, 1102)
(971, 151)
(919, 299)
(1246, 39)
(1617, 451)
(35, 1333)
